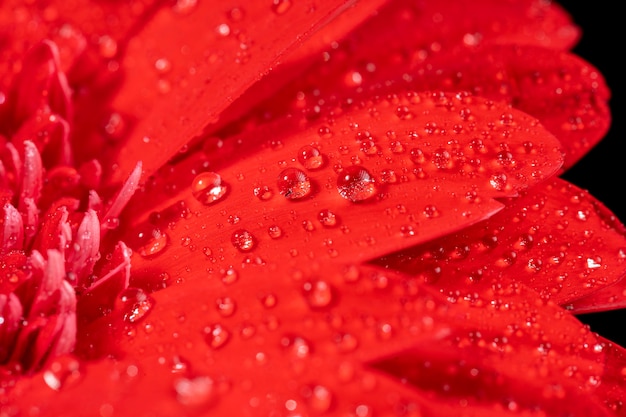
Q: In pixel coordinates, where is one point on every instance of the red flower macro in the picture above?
(290, 208)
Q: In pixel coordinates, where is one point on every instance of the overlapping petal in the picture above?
(249, 291)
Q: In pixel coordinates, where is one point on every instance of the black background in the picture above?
(602, 171)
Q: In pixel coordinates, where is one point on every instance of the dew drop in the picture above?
(318, 294)
(498, 181)
(294, 184)
(135, 304)
(263, 193)
(229, 276)
(225, 306)
(152, 242)
(281, 6)
(194, 391)
(346, 342)
(243, 240)
(356, 184)
(216, 336)
(208, 188)
(296, 346)
(320, 399)
(310, 157)
(63, 372)
(327, 218)
(274, 232)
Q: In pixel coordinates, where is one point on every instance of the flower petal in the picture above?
(556, 239)
(564, 92)
(384, 175)
(197, 352)
(198, 76)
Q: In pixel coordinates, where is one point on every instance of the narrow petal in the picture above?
(557, 239)
(12, 232)
(84, 250)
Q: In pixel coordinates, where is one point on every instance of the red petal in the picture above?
(437, 163)
(199, 76)
(388, 47)
(12, 229)
(564, 92)
(198, 354)
(556, 239)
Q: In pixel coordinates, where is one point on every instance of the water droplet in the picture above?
(63, 372)
(135, 304)
(356, 184)
(296, 346)
(263, 193)
(194, 391)
(216, 336)
(274, 232)
(281, 6)
(208, 188)
(327, 218)
(310, 157)
(498, 181)
(318, 294)
(320, 399)
(346, 342)
(243, 240)
(269, 300)
(294, 184)
(225, 306)
(152, 242)
(229, 276)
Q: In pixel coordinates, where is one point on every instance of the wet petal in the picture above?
(556, 239)
(168, 81)
(386, 174)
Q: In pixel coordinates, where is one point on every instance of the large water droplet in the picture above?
(320, 399)
(356, 184)
(293, 183)
(243, 240)
(208, 188)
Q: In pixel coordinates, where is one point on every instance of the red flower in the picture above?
(373, 227)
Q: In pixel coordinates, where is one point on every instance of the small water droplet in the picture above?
(296, 346)
(294, 184)
(263, 193)
(216, 336)
(281, 6)
(225, 306)
(63, 371)
(498, 181)
(318, 294)
(151, 242)
(208, 188)
(274, 232)
(356, 184)
(243, 240)
(135, 304)
(229, 276)
(269, 300)
(327, 218)
(310, 157)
